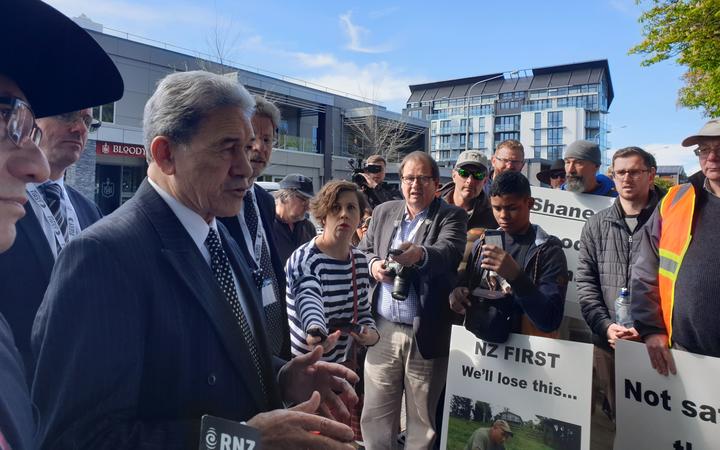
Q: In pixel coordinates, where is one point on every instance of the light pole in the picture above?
(467, 101)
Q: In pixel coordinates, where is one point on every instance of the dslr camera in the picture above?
(404, 276)
(358, 169)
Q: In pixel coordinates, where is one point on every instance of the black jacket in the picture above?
(540, 290)
(608, 249)
(481, 216)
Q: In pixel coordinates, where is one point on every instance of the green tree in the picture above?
(688, 30)
(663, 183)
(460, 407)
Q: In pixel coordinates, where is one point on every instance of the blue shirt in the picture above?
(402, 311)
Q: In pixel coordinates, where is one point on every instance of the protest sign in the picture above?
(563, 214)
(540, 386)
(675, 412)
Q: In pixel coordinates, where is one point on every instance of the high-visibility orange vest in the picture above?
(676, 212)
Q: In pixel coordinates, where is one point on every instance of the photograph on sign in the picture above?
(538, 384)
(473, 422)
(674, 412)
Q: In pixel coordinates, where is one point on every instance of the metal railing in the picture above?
(296, 143)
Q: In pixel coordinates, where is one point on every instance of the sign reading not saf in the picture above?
(541, 387)
(674, 412)
(563, 214)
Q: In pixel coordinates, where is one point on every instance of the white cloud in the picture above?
(674, 155)
(356, 35)
(316, 59)
(377, 82)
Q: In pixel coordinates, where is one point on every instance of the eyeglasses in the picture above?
(19, 121)
(512, 162)
(422, 179)
(86, 119)
(703, 151)
(479, 175)
(556, 175)
(633, 173)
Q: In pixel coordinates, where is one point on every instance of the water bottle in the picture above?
(622, 309)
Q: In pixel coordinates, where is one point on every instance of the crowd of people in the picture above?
(205, 294)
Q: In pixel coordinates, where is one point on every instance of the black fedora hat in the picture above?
(58, 65)
(557, 166)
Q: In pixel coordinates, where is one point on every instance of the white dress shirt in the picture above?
(198, 230)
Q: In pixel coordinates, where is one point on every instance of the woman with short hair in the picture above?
(328, 282)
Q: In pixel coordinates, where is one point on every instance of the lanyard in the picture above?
(254, 245)
(72, 222)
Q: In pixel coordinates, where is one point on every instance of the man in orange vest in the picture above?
(675, 280)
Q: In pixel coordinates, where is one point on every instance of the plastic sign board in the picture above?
(674, 412)
(541, 387)
(563, 214)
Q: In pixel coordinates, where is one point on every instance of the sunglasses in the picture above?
(479, 176)
(19, 121)
(556, 175)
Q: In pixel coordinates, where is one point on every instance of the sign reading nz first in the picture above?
(119, 149)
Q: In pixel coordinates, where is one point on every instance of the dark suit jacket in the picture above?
(444, 240)
(136, 341)
(266, 205)
(17, 424)
(25, 271)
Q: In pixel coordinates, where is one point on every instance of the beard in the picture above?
(574, 183)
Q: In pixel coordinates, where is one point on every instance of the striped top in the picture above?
(320, 289)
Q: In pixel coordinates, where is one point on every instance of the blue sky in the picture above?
(377, 48)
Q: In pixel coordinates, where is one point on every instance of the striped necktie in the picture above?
(53, 198)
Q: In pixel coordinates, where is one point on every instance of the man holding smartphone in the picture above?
(522, 260)
(412, 353)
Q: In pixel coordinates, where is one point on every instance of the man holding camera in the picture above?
(373, 182)
(414, 247)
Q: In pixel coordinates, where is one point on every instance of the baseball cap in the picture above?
(503, 425)
(471, 158)
(710, 129)
(58, 65)
(298, 182)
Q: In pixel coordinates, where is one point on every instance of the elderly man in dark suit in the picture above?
(34, 31)
(426, 238)
(252, 229)
(152, 320)
(54, 214)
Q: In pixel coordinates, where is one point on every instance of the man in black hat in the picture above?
(28, 89)
(554, 176)
(292, 227)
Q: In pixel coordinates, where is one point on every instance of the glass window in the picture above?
(555, 119)
(104, 113)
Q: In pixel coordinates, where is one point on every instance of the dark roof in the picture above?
(670, 169)
(542, 77)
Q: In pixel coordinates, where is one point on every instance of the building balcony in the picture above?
(592, 123)
(296, 143)
(499, 128)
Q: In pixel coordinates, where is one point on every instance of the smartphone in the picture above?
(344, 326)
(317, 332)
(495, 237)
(481, 293)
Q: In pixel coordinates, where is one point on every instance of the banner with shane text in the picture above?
(674, 412)
(540, 386)
(563, 214)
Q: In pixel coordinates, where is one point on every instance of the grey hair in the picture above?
(183, 99)
(266, 108)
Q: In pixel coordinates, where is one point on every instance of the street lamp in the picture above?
(467, 101)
